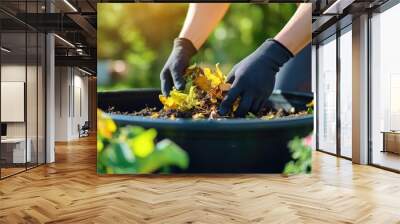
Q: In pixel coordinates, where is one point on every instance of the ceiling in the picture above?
(74, 22)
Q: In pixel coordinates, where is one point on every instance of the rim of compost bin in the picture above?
(137, 90)
(223, 124)
(219, 124)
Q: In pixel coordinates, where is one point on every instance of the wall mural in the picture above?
(217, 110)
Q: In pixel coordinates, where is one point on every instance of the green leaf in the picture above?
(193, 66)
(129, 132)
(118, 154)
(290, 168)
(301, 155)
(167, 153)
(250, 115)
(134, 131)
(124, 170)
(310, 110)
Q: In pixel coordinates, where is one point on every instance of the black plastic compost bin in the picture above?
(220, 146)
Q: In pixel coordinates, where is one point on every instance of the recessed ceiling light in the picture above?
(337, 7)
(70, 5)
(5, 50)
(84, 71)
(65, 41)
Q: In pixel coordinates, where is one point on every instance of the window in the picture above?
(327, 95)
(346, 92)
(314, 89)
(385, 89)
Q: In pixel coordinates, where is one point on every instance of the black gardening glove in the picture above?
(253, 78)
(172, 73)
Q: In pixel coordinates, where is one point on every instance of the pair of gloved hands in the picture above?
(252, 79)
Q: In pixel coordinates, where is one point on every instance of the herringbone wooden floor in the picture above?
(70, 191)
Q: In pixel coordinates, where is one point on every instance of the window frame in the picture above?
(378, 10)
(327, 37)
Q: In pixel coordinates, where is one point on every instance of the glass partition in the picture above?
(41, 96)
(32, 97)
(13, 94)
(22, 107)
(34, 59)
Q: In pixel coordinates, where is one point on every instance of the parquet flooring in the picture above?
(10, 171)
(70, 191)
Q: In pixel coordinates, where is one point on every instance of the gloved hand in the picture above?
(172, 73)
(253, 78)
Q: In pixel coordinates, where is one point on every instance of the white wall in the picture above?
(61, 114)
(33, 126)
(15, 73)
(12, 73)
(71, 93)
(80, 100)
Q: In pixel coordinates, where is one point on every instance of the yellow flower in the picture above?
(100, 145)
(105, 125)
(143, 144)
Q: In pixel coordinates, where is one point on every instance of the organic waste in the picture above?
(205, 89)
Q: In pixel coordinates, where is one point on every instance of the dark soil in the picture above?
(265, 114)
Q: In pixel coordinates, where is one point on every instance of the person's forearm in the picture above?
(200, 21)
(297, 32)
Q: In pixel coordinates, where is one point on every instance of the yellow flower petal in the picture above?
(143, 144)
(100, 145)
(106, 126)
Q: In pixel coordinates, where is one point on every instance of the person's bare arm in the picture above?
(201, 20)
(253, 78)
(297, 32)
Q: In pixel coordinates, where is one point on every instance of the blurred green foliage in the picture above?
(132, 150)
(301, 156)
(142, 34)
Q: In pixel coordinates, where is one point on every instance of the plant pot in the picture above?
(220, 146)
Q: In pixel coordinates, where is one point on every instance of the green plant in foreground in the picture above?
(310, 107)
(132, 149)
(301, 155)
